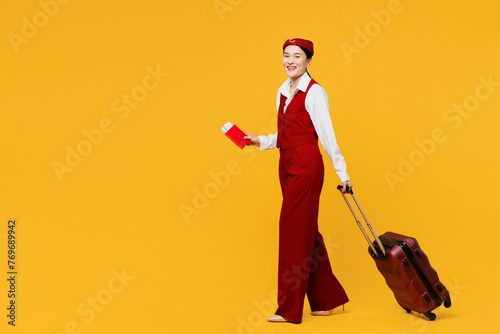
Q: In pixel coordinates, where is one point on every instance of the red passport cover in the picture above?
(235, 134)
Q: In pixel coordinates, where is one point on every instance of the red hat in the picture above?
(308, 45)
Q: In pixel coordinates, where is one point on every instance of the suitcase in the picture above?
(405, 267)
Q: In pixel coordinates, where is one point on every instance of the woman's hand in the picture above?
(346, 184)
(254, 141)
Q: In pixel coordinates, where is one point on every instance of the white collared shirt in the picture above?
(318, 108)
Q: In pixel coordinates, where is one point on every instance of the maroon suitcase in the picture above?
(405, 267)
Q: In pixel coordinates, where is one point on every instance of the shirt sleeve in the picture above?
(268, 142)
(319, 111)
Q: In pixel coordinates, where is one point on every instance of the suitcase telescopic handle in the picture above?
(349, 191)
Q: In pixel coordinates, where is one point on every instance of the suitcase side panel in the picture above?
(421, 264)
(431, 274)
(404, 282)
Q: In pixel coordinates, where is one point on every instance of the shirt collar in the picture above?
(303, 83)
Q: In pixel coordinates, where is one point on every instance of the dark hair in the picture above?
(308, 55)
(307, 52)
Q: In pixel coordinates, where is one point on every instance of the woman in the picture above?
(303, 117)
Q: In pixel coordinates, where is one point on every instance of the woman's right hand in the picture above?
(254, 141)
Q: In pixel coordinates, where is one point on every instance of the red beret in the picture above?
(308, 45)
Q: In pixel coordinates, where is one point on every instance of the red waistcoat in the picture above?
(295, 126)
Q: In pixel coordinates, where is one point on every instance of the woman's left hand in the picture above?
(346, 184)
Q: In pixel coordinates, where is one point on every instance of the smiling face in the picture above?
(295, 61)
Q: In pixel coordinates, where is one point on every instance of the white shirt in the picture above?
(319, 111)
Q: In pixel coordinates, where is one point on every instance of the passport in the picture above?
(234, 133)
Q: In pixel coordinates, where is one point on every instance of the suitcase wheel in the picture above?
(447, 301)
(431, 316)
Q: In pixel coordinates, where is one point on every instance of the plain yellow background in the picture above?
(162, 225)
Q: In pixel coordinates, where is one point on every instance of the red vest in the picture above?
(295, 126)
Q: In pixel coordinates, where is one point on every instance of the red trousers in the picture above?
(303, 266)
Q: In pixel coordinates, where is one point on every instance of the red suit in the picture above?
(303, 260)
